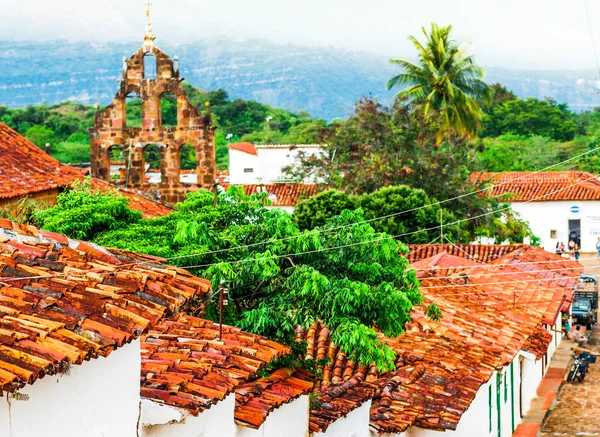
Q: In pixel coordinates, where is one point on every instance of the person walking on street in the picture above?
(576, 251)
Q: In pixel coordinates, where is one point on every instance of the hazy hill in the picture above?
(324, 81)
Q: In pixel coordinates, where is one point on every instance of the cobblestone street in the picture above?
(577, 409)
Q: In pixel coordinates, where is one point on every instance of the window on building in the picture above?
(187, 164)
(118, 161)
(133, 110)
(152, 163)
(150, 66)
(168, 107)
(553, 233)
(248, 170)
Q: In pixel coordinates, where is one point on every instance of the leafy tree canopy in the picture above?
(343, 273)
(530, 117)
(419, 225)
(84, 213)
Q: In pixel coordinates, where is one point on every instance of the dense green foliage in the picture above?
(530, 117)
(84, 213)
(420, 225)
(343, 273)
(444, 80)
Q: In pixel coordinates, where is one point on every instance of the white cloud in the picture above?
(513, 33)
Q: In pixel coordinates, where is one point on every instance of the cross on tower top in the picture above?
(148, 5)
(149, 35)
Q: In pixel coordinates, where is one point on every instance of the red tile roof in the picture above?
(64, 301)
(543, 186)
(243, 147)
(185, 365)
(25, 168)
(256, 400)
(148, 208)
(483, 253)
(282, 194)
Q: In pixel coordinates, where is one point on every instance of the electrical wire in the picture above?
(491, 187)
(386, 237)
(589, 20)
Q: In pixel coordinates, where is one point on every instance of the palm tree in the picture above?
(445, 81)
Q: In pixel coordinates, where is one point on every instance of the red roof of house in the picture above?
(282, 194)
(25, 168)
(148, 208)
(185, 365)
(244, 147)
(542, 186)
(256, 400)
(65, 301)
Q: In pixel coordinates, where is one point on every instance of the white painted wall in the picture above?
(289, 420)
(273, 159)
(355, 424)
(238, 161)
(267, 164)
(532, 376)
(99, 398)
(217, 421)
(475, 422)
(546, 216)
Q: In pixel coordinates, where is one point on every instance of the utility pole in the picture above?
(222, 302)
(441, 227)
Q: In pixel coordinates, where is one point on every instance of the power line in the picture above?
(587, 11)
(289, 255)
(491, 187)
(386, 237)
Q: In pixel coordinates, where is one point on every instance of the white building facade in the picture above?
(263, 164)
(100, 398)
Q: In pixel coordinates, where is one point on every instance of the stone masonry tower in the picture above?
(193, 130)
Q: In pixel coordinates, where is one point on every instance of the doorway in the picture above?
(575, 231)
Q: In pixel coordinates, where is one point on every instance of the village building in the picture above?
(472, 373)
(251, 164)
(560, 206)
(153, 77)
(27, 172)
(71, 314)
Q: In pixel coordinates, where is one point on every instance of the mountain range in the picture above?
(324, 81)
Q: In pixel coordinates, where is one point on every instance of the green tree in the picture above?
(344, 273)
(545, 118)
(40, 135)
(84, 213)
(444, 80)
(420, 224)
(315, 210)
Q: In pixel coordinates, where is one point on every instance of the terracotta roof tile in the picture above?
(26, 169)
(64, 300)
(256, 400)
(543, 186)
(482, 253)
(282, 194)
(243, 147)
(149, 208)
(185, 365)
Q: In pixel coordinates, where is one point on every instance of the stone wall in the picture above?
(47, 197)
(193, 129)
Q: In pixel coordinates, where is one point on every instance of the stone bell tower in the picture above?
(194, 130)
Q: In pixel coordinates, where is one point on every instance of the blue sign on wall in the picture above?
(574, 209)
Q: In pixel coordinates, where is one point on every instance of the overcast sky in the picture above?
(512, 33)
